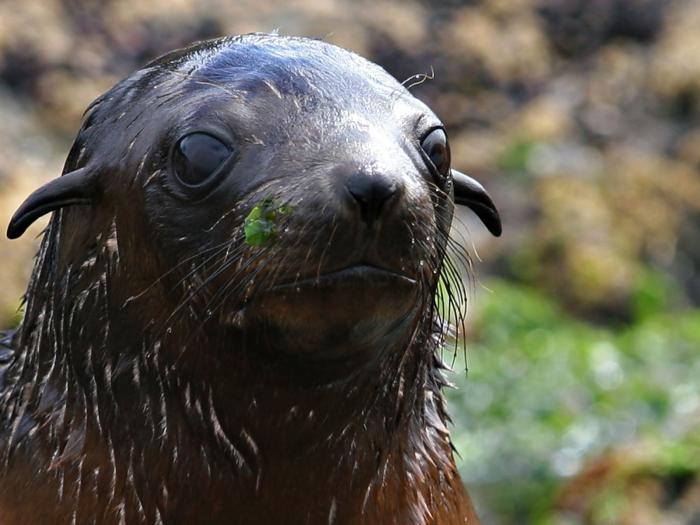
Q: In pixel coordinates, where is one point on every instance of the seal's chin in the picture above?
(356, 309)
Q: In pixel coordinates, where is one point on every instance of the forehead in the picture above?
(294, 65)
(309, 75)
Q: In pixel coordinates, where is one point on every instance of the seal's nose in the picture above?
(371, 193)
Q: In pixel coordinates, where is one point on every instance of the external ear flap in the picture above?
(472, 194)
(75, 188)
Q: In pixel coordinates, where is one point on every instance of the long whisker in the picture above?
(191, 295)
(173, 269)
(224, 293)
(453, 262)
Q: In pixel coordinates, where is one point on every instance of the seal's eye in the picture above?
(438, 151)
(197, 157)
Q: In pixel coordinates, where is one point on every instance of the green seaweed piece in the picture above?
(260, 226)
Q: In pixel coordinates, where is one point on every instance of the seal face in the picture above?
(353, 172)
(279, 195)
(346, 188)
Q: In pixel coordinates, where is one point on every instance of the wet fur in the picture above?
(117, 410)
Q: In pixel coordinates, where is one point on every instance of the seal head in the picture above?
(233, 306)
(344, 176)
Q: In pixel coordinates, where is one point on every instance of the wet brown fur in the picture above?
(114, 410)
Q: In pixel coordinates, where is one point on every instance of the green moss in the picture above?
(515, 157)
(652, 294)
(547, 393)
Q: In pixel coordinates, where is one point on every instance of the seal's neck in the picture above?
(244, 383)
(199, 404)
(354, 447)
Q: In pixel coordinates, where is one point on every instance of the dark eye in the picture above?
(197, 157)
(438, 151)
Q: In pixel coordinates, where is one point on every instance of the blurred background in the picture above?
(581, 117)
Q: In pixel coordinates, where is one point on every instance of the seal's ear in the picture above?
(76, 187)
(470, 193)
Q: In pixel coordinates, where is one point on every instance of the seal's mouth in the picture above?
(353, 307)
(357, 274)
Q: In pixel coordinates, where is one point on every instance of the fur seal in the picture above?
(231, 317)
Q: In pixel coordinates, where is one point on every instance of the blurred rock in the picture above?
(675, 75)
(578, 27)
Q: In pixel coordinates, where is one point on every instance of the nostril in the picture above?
(371, 192)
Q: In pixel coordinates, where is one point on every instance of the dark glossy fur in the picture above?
(157, 377)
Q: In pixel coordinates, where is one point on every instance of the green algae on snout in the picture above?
(260, 226)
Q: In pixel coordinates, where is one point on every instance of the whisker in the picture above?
(191, 295)
(173, 269)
